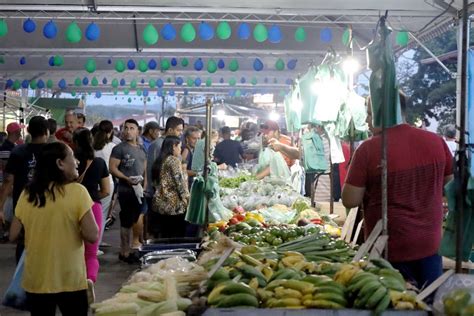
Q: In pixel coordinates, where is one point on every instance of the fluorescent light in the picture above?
(274, 116)
(350, 65)
(221, 115)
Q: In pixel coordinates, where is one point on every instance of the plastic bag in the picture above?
(196, 213)
(15, 296)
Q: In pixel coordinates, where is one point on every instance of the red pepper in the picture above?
(317, 221)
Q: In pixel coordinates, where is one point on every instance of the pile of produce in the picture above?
(294, 282)
(157, 290)
(459, 303)
(235, 182)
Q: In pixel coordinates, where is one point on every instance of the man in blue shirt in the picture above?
(228, 151)
(151, 132)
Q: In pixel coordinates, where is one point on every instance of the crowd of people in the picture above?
(66, 181)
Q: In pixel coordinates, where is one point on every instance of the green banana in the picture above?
(381, 263)
(392, 273)
(392, 284)
(336, 298)
(376, 297)
(316, 280)
(251, 272)
(383, 304)
(366, 292)
(249, 260)
(274, 284)
(357, 286)
(234, 288)
(362, 275)
(329, 289)
(240, 299)
(286, 273)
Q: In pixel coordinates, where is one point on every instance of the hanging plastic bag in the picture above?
(196, 213)
(313, 153)
(15, 296)
(278, 166)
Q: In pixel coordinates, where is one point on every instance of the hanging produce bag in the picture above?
(217, 211)
(197, 164)
(15, 296)
(292, 104)
(383, 83)
(196, 213)
(308, 98)
(313, 153)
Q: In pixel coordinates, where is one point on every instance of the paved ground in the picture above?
(111, 275)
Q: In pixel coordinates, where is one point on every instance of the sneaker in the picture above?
(99, 253)
(90, 292)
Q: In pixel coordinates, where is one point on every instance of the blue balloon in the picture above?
(40, 84)
(85, 81)
(92, 32)
(291, 64)
(198, 64)
(171, 93)
(146, 92)
(104, 81)
(122, 82)
(244, 31)
(221, 64)
(29, 26)
(159, 92)
(62, 84)
(24, 84)
(174, 62)
(98, 94)
(221, 80)
(206, 31)
(142, 81)
(152, 64)
(289, 81)
(197, 82)
(22, 60)
(50, 30)
(186, 92)
(274, 34)
(257, 64)
(179, 81)
(9, 83)
(265, 80)
(51, 61)
(242, 80)
(109, 61)
(326, 35)
(131, 64)
(159, 83)
(168, 32)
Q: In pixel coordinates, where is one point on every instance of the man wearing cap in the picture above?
(71, 123)
(272, 137)
(14, 135)
(151, 132)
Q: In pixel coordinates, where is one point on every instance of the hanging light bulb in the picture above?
(350, 65)
(221, 115)
(274, 116)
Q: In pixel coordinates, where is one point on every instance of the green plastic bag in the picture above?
(196, 213)
(308, 98)
(313, 153)
(383, 82)
(198, 156)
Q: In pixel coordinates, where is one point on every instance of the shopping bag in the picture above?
(15, 296)
(196, 213)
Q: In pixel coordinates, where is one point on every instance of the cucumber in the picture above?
(240, 299)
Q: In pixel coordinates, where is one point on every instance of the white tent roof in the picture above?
(116, 20)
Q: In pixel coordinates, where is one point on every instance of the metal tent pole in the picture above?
(461, 163)
(207, 149)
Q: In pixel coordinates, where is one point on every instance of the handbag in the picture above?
(15, 296)
(81, 177)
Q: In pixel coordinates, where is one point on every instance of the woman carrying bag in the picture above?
(172, 195)
(55, 212)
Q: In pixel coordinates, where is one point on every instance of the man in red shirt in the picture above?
(71, 123)
(419, 164)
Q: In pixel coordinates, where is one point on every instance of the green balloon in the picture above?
(254, 81)
(3, 28)
(73, 33)
(126, 91)
(142, 65)
(208, 82)
(238, 93)
(58, 60)
(120, 65)
(17, 84)
(165, 64)
(300, 34)
(168, 80)
(78, 82)
(129, 100)
(184, 62)
(188, 33)
(115, 93)
(260, 33)
(280, 64)
(133, 84)
(33, 84)
(223, 30)
(139, 92)
(49, 84)
(148, 99)
(150, 34)
(211, 66)
(115, 83)
(73, 93)
(190, 82)
(234, 65)
(232, 82)
(90, 65)
(403, 38)
(94, 82)
(346, 37)
(152, 83)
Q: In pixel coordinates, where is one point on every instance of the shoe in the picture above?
(100, 253)
(132, 258)
(105, 245)
(90, 292)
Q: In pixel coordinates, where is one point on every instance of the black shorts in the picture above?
(130, 208)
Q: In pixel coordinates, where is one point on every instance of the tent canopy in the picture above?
(122, 24)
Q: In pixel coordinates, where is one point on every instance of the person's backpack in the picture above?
(314, 157)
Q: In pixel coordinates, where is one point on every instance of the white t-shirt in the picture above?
(452, 146)
(105, 153)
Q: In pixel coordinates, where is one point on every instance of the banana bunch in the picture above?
(369, 292)
(285, 293)
(297, 261)
(346, 273)
(230, 294)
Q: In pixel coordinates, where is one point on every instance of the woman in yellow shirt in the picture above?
(55, 213)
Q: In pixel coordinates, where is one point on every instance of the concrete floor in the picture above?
(112, 272)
